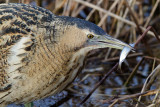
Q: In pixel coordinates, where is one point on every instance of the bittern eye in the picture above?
(90, 36)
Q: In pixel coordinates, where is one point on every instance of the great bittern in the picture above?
(41, 53)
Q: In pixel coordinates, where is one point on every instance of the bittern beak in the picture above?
(108, 41)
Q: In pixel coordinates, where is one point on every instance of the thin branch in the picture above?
(133, 15)
(144, 86)
(106, 15)
(7, 1)
(79, 9)
(141, 37)
(101, 81)
(93, 10)
(106, 12)
(39, 2)
(111, 14)
(117, 58)
(151, 92)
(133, 72)
(151, 14)
(149, 57)
(155, 33)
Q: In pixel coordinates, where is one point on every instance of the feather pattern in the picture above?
(33, 62)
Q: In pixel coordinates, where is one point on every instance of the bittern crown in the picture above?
(41, 53)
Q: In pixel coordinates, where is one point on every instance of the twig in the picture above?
(67, 8)
(149, 57)
(61, 101)
(117, 13)
(7, 1)
(101, 81)
(138, 41)
(151, 92)
(149, 32)
(93, 10)
(144, 86)
(123, 97)
(21, 1)
(151, 14)
(133, 72)
(59, 6)
(112, 15)
(129, 56)
(154, 62)
(141, 37)
(79, 9)
(106, 12)
(156, 96)
(120, 24)
(39, 2)
(134, 17)
(106, 15)
(155, 33)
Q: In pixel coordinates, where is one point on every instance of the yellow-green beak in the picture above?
(115, 43)
(108, 41)
(104, 41)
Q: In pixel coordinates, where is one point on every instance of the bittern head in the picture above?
(81, 34)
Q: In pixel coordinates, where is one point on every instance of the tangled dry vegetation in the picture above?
(138, 82)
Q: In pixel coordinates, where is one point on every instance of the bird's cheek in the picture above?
(89, 44)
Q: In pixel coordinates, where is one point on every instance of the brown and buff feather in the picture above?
(34, 61)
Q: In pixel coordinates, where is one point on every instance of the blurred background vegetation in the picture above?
(122, 19)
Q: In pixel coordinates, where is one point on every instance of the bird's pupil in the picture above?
(90, 36)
